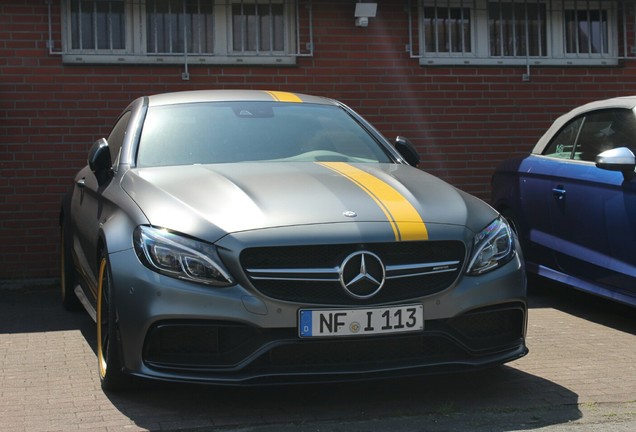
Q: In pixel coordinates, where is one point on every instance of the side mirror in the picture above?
(619, 159)
(407, 151)
(99, 160)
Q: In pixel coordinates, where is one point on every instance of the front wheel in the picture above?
(109, 362)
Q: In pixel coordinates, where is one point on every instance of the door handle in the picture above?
(559, 192)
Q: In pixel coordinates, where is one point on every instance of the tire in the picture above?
(109, 362)
(67, 274)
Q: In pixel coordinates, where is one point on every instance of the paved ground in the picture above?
(580, 375)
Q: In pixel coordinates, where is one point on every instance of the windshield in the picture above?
(227, 132)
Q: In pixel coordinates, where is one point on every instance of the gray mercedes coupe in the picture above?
(256, 237)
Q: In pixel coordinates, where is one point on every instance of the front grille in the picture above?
(311, 274)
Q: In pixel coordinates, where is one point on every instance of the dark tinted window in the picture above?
(605, 130)
(587, 136)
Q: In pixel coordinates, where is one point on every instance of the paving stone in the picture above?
(582, 352)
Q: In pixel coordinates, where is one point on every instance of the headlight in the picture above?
(179, 257)
(493, 247)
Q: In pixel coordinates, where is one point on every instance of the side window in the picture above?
(623, 129)
(562, 145)
(117, 135)
(604, 130)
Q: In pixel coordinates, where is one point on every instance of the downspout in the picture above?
(185, 76)
(526, 76)
(49, 42)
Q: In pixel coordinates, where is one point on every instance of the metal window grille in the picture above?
(586, 28)
(517, 29)
(447, 29)
(132, 30)
(179, 26)
(258, 26)
(550, 32)
(98, 25)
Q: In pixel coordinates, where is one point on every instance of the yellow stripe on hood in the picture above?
(284, 96)
(405, 220)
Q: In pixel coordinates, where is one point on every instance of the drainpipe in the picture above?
(49, 43)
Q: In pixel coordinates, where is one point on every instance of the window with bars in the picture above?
(178, 26)
(97, 25)
(447, 29)
(258, 27)
(514, 32)
(203, 31)
(586, 31)
(517, 29)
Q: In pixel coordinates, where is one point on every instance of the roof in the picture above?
(195, 96)
(623, 102)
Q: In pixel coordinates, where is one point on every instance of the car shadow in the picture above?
(546, 293)
(37, 309)
(497, 399)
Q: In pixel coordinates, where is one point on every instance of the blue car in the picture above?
(572, 201)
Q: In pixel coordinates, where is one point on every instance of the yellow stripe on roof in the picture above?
(284, 96)
(405, 220)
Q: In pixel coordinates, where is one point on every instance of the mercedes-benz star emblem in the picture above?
(362, 274)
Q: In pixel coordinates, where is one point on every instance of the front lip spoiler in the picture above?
(439, 368)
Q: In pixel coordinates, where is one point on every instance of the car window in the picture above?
(595, 137)
(225, 132)
(117, 135)
(585, 137)
(562, 145)
(605, 130)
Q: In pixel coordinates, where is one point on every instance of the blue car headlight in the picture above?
(180, 257)
(493, 247)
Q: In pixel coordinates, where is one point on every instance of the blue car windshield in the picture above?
(229, 132)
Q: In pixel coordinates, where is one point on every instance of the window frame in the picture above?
(136, 28)
(555, 34)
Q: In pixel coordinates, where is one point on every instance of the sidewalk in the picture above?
(581, 370)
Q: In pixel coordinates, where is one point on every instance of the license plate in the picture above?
(356, 322)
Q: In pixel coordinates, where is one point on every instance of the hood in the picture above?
(210, 201)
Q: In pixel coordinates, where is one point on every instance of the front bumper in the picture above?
(176, 331)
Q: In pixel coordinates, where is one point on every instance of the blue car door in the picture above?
(534, 185)
(593, 211)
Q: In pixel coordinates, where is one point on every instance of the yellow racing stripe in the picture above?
(284, 96)
(405, 220)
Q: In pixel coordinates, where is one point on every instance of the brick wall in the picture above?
(464, 120)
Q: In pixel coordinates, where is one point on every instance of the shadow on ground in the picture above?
(544, 293)
(499, 399)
